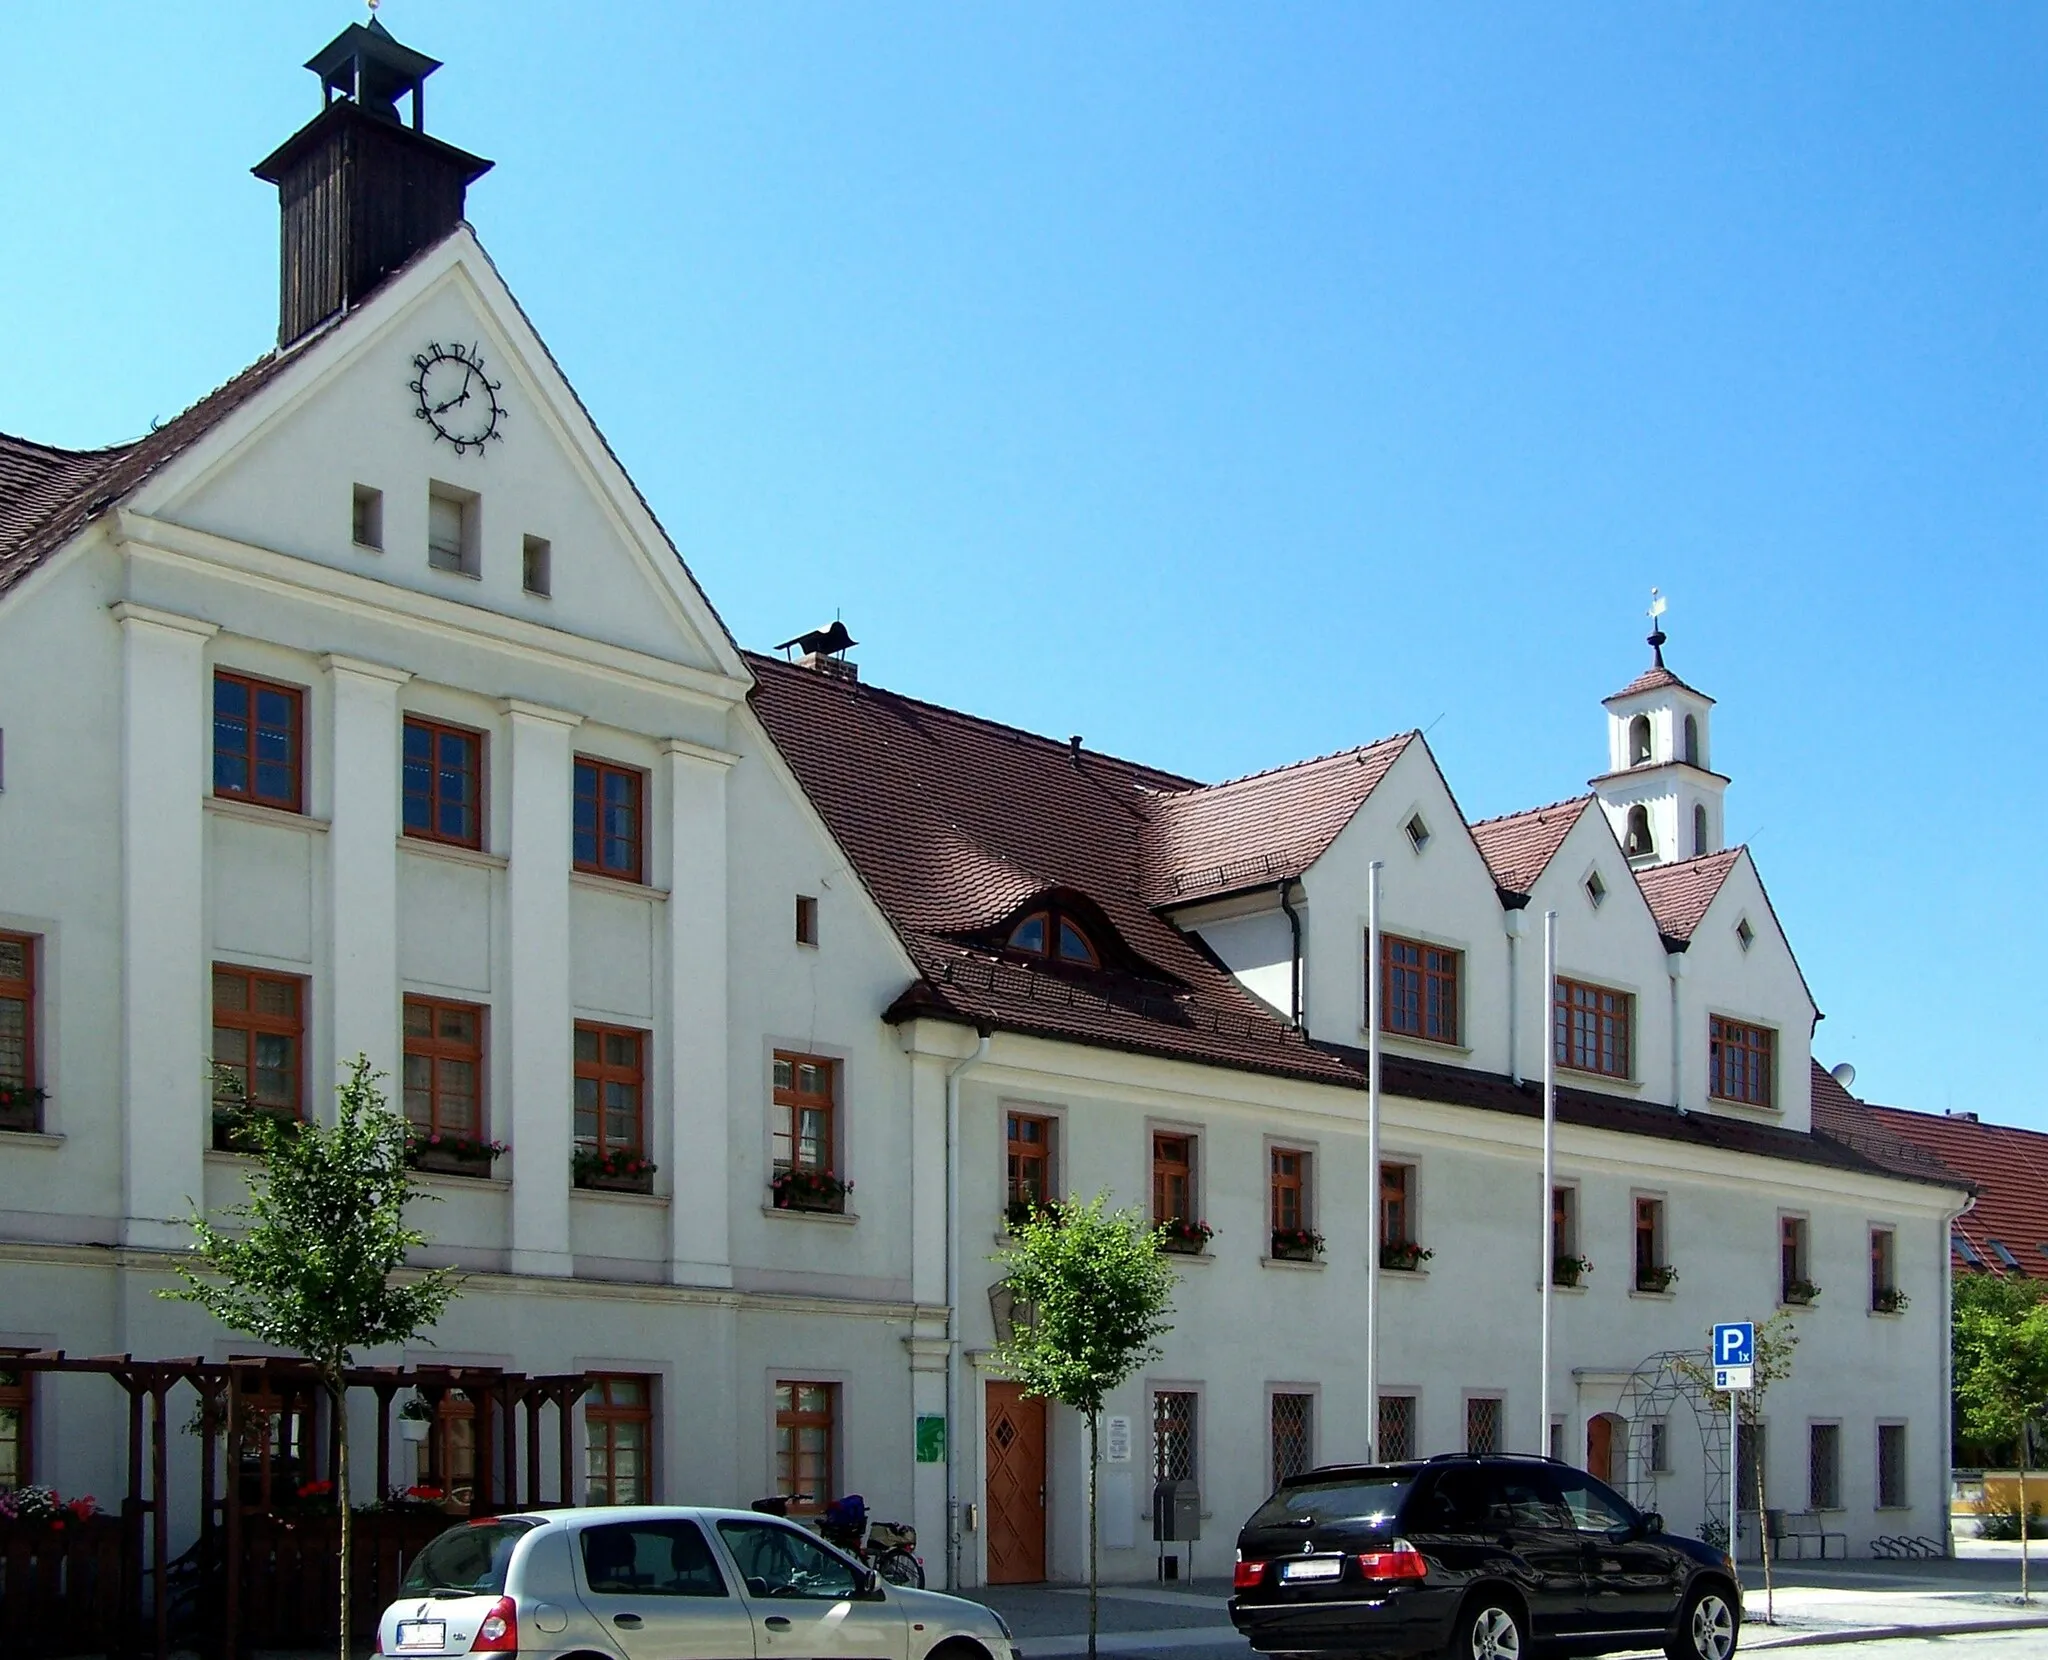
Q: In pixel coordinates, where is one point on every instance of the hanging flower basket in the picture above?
(1569, 1271)
(1184, 1237)
(1403, 1256)
(1660, 1278)
(1296, 1245)
(802, 1188)
(442, 1154)
(21, 1107)
(620, 1170)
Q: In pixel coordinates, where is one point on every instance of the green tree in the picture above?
(1999, 1335)
(1776, 1338)
(314, 1261)
(1091, 1292)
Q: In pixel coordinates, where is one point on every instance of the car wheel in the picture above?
(1705, 1629)
(1488, 1629)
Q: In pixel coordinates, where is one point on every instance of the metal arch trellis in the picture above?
(1653, 1388)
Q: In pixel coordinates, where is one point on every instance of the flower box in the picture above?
(1658, 1279)
(1183, 1237)
(1801, 1293)
(1021, 1213)
(21, 1107)
(1403, 1256)
(1569, 1271)
(1296, 1245)
(622, 1181)
(817, 1191)
(1890, 1300)
(450, 1155)
(235, 1128)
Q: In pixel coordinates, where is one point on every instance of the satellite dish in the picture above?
(1844, 1074)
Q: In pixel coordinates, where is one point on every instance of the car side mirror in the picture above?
(1653, 1522)
(867, 1585)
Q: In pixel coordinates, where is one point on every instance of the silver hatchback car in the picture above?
(657, 1582)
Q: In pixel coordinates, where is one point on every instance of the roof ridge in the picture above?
(967, 717)
(59, 452)
(1674, 866)
(1296, 766)
(1536, 812)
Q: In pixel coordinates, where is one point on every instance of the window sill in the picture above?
(237, 1161)
(1797, 1308)
(454, 853)
(1875, 1313)
(1189, 1256)
(30, 1138)
(1388, 1275)
(1606, 1078)
(1646, 1296)
(1557, 1290)
(254, 812)
(596, 1195)
(842, 1218)
(1411, 1045)
(1721, 1103)
(458, 1184)
(621, 885)
(1314, 1265)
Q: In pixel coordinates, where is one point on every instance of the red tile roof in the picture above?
(1655, 679)
(1218, 838)
(1518, 847)
(1680, 893)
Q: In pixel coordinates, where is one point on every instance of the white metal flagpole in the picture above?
(1372, 1157)
(1546, 1269)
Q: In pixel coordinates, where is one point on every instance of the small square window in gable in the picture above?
(1596, 890)
(1744, 934)
(1418, 832)
(537, 566)
(367, 517)
(806, 920)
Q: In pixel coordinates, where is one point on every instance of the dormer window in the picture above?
(1054, 936)
(1639, 741)
(1639, 843)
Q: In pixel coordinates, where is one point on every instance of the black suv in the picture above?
(1476, 1558)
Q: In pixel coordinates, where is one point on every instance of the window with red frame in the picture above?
(1173, 1178)
(806, 1427)
(259, 1035)
(1288, 1182)
(610, 1088)
(444, 1067)
(618, 1437)
(258, 742)
(1592, 1028)
(802, 1135)
(19, 1100)
(17, 1427)
(1030, 1137)
(1739, 1062)
(443, 774)
(1056, 936)
(607, 831)
(1418, 989)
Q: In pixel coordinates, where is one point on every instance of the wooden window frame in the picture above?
(1045, 1154)
(1410, 1234)
(600, 1412)
(24, 991)
(436, 730)
(19, 1397)
(1795, 1244)
(254, 1025)
(602, 1072)
(436, 1048)
(793, 1420)
(1884, 1263)
(1055, 918)
(600, 770)
(252, 686)
(1758, 1045)
(1440, 969)
(1572, 998)
(1650, 1207)
(1299, 1182)
(793, 1101)
(1164, 1170)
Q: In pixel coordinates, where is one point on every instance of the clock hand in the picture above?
(462, 398)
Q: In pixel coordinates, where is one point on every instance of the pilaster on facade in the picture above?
(541, 1085)
(362, 862)
(164, 998)
(695, 779)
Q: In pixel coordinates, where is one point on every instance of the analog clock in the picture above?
(456, 398)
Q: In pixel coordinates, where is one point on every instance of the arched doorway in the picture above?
(1607, 1448)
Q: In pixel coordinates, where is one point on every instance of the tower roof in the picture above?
(1656, 678)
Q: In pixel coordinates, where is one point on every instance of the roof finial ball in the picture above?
(1657, 609)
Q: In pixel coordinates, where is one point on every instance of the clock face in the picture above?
(456, 398)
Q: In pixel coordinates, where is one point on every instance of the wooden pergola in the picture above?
(237, 1399)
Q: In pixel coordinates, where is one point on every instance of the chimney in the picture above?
(837, 668)
(359, 191)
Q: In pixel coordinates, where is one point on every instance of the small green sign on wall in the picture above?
(931, 1438)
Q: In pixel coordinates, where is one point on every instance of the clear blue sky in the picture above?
(1233, 383)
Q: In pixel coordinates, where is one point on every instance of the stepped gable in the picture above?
(1680, 893)
(1253, 831)
(1518, 847)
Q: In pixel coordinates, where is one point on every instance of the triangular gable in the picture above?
(1518, 847)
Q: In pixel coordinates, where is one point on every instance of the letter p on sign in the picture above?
(1735, 1344)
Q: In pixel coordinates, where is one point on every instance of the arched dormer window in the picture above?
(1639, 741)
(1699, 828)
(1055, 936)
(1638, 843)
(1692, 740)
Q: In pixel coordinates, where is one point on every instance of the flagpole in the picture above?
(1373, 996)
(1546, 1268)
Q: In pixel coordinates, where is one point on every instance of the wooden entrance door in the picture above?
(1016, 1486)
(1601, 1448)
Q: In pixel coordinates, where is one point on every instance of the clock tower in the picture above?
(1660, 791)
(360, 190)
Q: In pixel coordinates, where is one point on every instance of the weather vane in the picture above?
(1658, 606)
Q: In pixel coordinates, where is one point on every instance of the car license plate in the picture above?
(1316, 1567)
(416, 1636)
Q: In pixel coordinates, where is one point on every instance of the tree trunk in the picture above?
(1763, 1542)
(339, 1391)
(1094, 1532)
(2023, 1513)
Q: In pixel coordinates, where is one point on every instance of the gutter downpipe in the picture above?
(1512, 921)
(1294, 963)
(1372, 1158)
(953, 1305)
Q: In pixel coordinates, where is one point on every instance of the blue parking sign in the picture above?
(1735, 1344)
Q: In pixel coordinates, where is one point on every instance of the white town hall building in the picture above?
(366, 707)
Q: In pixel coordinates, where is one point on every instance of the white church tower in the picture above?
(1659, 791)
